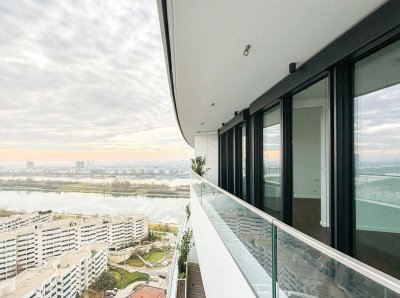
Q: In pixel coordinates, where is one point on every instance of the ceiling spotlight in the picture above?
(246, 50)
(212, 104)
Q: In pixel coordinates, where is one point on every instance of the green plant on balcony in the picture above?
(187, 210)
(183, 249)
(198, 165)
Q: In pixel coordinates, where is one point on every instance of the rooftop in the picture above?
(149, 292)
(30, 279)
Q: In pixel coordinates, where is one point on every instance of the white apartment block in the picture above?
(64, 276)
(8, 254)
(31, 246)
(21, 220)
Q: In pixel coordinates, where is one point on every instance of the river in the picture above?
(170, 210)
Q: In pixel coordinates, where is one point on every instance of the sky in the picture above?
(85, 79)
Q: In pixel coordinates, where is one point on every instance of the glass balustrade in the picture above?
(278, 260)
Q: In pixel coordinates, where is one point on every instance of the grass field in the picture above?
(155, 255)
(133, 261)
(125, 278)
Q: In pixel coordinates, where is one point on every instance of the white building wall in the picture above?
(221, 275)
(206, 145)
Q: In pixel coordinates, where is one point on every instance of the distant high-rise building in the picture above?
(89, 164)
(80, 164)
(30, 164)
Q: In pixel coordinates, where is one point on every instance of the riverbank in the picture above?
(113, 189)
(159, 209)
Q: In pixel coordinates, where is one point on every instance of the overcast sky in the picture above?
(85, 80)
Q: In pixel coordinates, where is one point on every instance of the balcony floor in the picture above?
(195, 287)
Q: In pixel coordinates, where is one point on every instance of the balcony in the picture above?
(244, 252)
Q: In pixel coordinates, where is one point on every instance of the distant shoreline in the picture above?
(114, 194)
(117, 190)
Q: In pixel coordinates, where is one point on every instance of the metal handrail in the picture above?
(364, 269)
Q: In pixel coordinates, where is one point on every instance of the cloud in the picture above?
(85, 75)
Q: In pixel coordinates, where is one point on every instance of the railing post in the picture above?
(274, 261)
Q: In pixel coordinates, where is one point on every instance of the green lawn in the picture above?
(133, 261)
(125, 278)
(155, 255)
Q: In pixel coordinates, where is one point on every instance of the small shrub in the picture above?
(187, 210)
(184, 248)
(182, 275)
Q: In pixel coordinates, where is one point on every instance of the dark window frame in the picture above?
(337, 62)
(260, 160)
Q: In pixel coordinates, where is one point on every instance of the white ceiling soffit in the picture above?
(208, 38)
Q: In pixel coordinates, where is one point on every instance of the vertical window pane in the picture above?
(376, 160)
(311, 160)
(272, 162)
(244, 140)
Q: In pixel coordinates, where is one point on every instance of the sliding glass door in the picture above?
(377, 159)
(243, 162)
(311, 160)
(272, 200)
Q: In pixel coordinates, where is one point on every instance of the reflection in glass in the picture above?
(272, 162)
(376, 159)
(244, 190)
(311, 134)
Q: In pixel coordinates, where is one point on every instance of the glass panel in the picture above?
(272, 162)
(304, 271)
(311, 159)
(246, 235)
(303, 266)
(376, 160)
(244, 186)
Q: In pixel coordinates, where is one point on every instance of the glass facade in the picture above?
(272, 162)
(326, 161)
(376, 159)
(244, 144)
(311, 138)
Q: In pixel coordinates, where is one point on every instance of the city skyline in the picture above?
(85, 81)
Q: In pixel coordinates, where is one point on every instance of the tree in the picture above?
(105, 281)
(152, 236)
(184, 248)
(198, 164)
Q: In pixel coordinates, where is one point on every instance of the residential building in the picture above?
(8, 253)
(31, 246)
(63, 276)
(20, 220)
(296, 107)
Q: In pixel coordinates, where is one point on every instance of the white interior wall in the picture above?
(311, 140)
(206, 144)
(306, 150)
